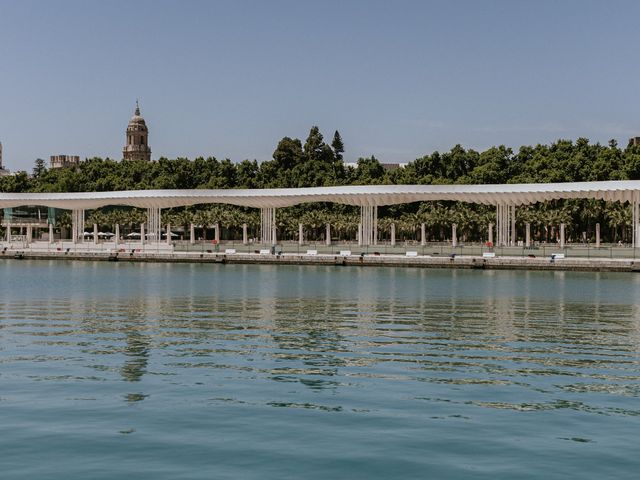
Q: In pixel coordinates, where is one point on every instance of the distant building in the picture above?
(3, 171)
(634, 141)
(137, 146)
(63, 161)
(393, 166)
(386, 166)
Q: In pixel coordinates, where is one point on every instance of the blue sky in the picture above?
(397, 79)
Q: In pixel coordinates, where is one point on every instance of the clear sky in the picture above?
(398, 79)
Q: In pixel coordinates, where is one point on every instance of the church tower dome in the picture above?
(137, 144)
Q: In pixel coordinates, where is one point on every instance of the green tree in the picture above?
(39, 167)
(370, 171)
(337, 145)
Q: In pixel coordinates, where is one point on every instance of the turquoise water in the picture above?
(258, 372)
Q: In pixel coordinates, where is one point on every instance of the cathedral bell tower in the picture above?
(137, 145)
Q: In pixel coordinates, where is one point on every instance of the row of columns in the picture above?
(192, 233)
(268, 226)
(505, 225)
(454, 234)
(153, 225)
(327, 234)
(368, 228)
(505, 228)
(78, 233)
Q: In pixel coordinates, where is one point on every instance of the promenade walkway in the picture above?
(429, 256)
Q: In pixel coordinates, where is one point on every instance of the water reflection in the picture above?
(139, 319)
(303, 333)
(137, 352)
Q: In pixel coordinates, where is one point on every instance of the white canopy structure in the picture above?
(363, 195)
(504, 197)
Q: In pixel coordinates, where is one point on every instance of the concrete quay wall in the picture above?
(464, 262)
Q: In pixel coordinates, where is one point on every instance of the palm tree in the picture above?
(591, 213)
(97, 217)
(315, 220)
(619, 217)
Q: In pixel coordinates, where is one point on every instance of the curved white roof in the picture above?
(374, 195)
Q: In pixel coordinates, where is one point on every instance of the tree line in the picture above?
(318, 163)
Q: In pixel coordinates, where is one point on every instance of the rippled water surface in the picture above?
(259, 372)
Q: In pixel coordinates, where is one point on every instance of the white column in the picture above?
(153, 224)
(8, 233)
(490, 240)
(117, 236)
(505, 225)
(498, 224)
(265, 226)
(274, 235)
(245, 237)
(300, 234)
(562, 235)
(514, 237)
(454, 235)
(634, 214)
(597, 235)
(50, 233)
(362, 229)
(502, 225)
(504, 222)
(142, 233)
(29, 234)
(375, 225)
(393, 234)
(95, 234)
(217, 232)
(368, 229)
(423, 234)
(497, 244)
(268, 226)
(633, 223)
(528, 235)
(327, 235)
(77, 226)
(192, 234)
(168, 234)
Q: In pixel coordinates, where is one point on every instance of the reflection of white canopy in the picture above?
(134, 235)
(364, 195)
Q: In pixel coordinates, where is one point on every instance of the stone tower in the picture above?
(137, 146)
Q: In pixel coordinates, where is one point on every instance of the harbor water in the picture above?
(201, 371)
